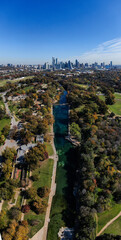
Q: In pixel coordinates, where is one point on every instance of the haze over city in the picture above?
(34, 31)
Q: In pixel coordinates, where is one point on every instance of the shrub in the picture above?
(43, 192)
(25, 208)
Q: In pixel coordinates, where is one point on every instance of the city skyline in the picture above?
(32, 32)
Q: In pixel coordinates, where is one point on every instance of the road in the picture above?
(9, 143)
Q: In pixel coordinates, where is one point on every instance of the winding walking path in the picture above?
(108, 224)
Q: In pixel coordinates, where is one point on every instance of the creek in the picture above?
(62, 212)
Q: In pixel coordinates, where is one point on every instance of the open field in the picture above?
(105, 217)
(115, 108)
(78, 109)
(3, 123)
(2, 104)
(3, 82)
(49, 149)
(85, 86)
(114, 228)
(45, 174)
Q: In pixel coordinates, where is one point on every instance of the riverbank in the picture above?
(63, 202)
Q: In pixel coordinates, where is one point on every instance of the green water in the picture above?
(61, 213)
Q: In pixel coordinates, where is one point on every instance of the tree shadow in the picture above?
(70, 211)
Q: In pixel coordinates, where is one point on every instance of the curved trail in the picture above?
(108, 224)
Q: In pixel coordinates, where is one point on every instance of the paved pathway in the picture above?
(108, 224)
(1, 204)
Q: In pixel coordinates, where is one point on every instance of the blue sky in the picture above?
(33, 31)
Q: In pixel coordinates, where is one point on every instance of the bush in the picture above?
(35, 177)
(25, 208)
(34, 222)
(43, 192)
(14, 213)
(32, 193)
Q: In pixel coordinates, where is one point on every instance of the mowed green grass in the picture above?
(78, 109)
(45, 175)
(49, 149)
(105, 217)
(3, 82)
(114, 228)
(85, 86)
(115, 108)
(3, 123)
(2, 103)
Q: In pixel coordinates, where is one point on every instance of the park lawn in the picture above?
(49, 149)
(105, 217)
(85, 86)
(115, 108)
(33, 216)
(28, 88)
(117, 95)
(3, 123)
(5, 206)
(45, 175)
(78, 109)
(2, 104)
(114, 228)
(102, 97)
(13, 107)
(3, 82)
(19, 201)
(25, 89)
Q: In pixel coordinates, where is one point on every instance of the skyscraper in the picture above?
(53, 62)
(111, 64)
(56, 61)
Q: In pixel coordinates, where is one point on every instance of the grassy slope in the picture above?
(45, 174)
(114, 228)
(81, 85)
(3, 123)
(105, 217)
(49, 149)
(115, 108)
(3, 82)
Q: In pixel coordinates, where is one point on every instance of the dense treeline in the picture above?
(99, 165)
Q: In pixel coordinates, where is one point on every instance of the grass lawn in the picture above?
(115, 108)
(45, 174)
(49, 149)
(2, 104)
(85, 86)
(3, 123)
(102, 97)
(33, 216)
(3, 82)
(105, 217)
(78, 109)
(25, 89)
(5, 206)
(115, 227)
(19, 200)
